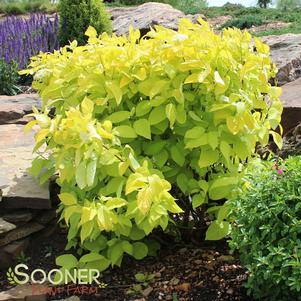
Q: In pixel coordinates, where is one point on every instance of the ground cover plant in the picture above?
(267, 229)
(150, 132)
(9, 78)
(240, 14)
(20, 39)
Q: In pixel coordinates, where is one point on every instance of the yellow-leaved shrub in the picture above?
(145, 128)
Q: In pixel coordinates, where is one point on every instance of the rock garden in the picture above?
(150, 151)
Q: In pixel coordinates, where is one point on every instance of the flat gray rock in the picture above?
(19, 189)
(26, 292)
(147, 15)
(10, 252)
(20, 233)
(291, 99)
(14, 108)
(18, 216)
(286, 54)
(6, 226)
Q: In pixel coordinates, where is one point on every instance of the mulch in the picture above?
(179, 273)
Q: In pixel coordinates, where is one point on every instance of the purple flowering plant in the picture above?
(21, 38)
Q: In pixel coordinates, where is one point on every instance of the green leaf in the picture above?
(37, 166)
(153, 147)
(127, 247)
(160, 158)
(225, 150)
(116, 253)
(140, 250)
(198, 200)
(208, 157)
(213, 139)
(81, 175)
(182, 182)
(102, 264)
(195, 133)
(140, 277)
(119, 116)
(125, 131)
(136, 233)
(142, 128)
(157, 115)
(113, 185)
(67, 261)
(91, 257)
(197, 142)
(217, 230)
(181, 114)
(68, 199)
(143, 108)
(177, 154)
(86, 230)
(221, 187)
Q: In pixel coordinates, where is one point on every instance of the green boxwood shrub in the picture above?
(146, 129)
(267, 230)
(77, 15)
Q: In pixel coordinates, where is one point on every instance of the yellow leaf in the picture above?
(42, 134)
(277, 139)
(144, 199)
(68, 199)
(115, 90)
(87, 106)
(91, 32)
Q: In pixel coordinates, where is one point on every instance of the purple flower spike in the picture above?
(21, 38)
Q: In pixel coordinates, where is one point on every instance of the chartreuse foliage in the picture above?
(136, 117)
(267, 229)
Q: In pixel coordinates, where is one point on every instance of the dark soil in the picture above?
(180, 273)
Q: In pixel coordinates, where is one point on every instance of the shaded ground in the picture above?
(180, 273)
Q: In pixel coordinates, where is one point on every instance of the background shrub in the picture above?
(16, 7)
(232, 6)
(8, 78)
(267, 230)
(244, 22)
(77, 15)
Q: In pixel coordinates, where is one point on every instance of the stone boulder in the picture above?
(286, 54)
(18, 188)
(26, 292)
(291, 143)
(291, 99)
(6, 226)
(13, 109)
(147, 15)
